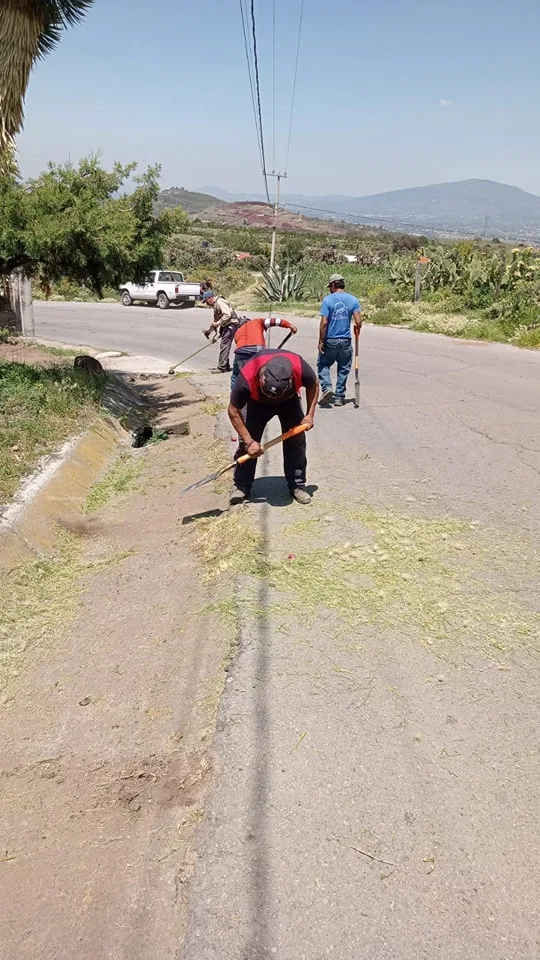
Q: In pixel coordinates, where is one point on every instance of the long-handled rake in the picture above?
(230, 466)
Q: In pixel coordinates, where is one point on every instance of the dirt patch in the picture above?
(20, 352)
(104, 762)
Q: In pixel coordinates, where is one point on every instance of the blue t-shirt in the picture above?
(339, 308)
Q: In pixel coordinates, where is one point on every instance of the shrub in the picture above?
(443, 300)
(403, 241)
(392, 314)
(379, 295)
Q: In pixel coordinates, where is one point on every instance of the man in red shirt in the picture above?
(249, 339)
(269, 386)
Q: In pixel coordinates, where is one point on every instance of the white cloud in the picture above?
(445, 103)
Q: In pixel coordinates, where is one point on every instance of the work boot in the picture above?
(301, 495)
(339, 401)
(237, 496)
(327, 398)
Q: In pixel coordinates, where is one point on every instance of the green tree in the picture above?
(29, 30)
(72, 223)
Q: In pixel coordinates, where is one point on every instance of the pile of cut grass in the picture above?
(38, 599)
(39, 408)
(117, 483)
(229, 545)
(429, 576)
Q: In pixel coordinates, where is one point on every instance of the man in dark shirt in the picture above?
(269, 386)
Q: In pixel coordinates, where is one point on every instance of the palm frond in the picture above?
(29, 30)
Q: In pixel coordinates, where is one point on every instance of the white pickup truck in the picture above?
(162, 287)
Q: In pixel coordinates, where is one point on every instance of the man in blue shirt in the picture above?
(337, 311)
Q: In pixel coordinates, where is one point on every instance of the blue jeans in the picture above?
(241, 357)
(340, 352)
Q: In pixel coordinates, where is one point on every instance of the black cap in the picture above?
(277, 378)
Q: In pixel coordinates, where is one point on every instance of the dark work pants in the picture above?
(290, 414)
(225, 345)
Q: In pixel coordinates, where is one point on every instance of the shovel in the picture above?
(301, 428)
(356, 372)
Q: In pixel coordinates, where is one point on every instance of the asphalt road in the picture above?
(464, 415)
(377, 749)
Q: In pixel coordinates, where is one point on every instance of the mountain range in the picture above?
(463, 207)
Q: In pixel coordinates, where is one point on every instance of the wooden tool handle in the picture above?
(301, 428)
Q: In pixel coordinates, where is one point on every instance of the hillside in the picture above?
(251, 213)
(191, 201)
(465, 207)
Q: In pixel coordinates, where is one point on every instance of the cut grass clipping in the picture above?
(440, 580)
(39, 408)
(117, 483)
(38, 599)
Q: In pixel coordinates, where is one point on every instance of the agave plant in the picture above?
(280, 284)
(29, 30)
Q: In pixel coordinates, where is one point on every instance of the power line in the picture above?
(274, 85)
(294, 83)
(251, 84)
(258, 89)
(356, 217)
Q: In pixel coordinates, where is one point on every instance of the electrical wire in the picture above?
(371, 220)
(258, 90)
(251, 83)
(300, 22)
(274, 84)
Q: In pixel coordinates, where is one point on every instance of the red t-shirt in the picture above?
(247, 381)
(250, 333)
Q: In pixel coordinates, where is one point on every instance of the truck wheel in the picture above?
(162, 301)
(126, 299)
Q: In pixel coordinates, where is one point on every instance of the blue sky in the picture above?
(390, 94)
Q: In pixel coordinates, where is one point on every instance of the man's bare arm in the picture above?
(357, 320)
(322, 333)
(312, 395)
(235, 416)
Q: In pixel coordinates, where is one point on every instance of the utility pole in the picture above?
(279, 177)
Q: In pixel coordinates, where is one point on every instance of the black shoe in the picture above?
(327, 398)
(237, 496)
(339, 401)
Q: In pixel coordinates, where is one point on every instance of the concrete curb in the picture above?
(54, 495)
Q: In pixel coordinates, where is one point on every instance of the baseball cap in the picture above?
(277, 378)
(336, 278)
(207, 295)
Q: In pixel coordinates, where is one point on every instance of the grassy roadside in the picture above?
(39, 408)
(421, 317)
